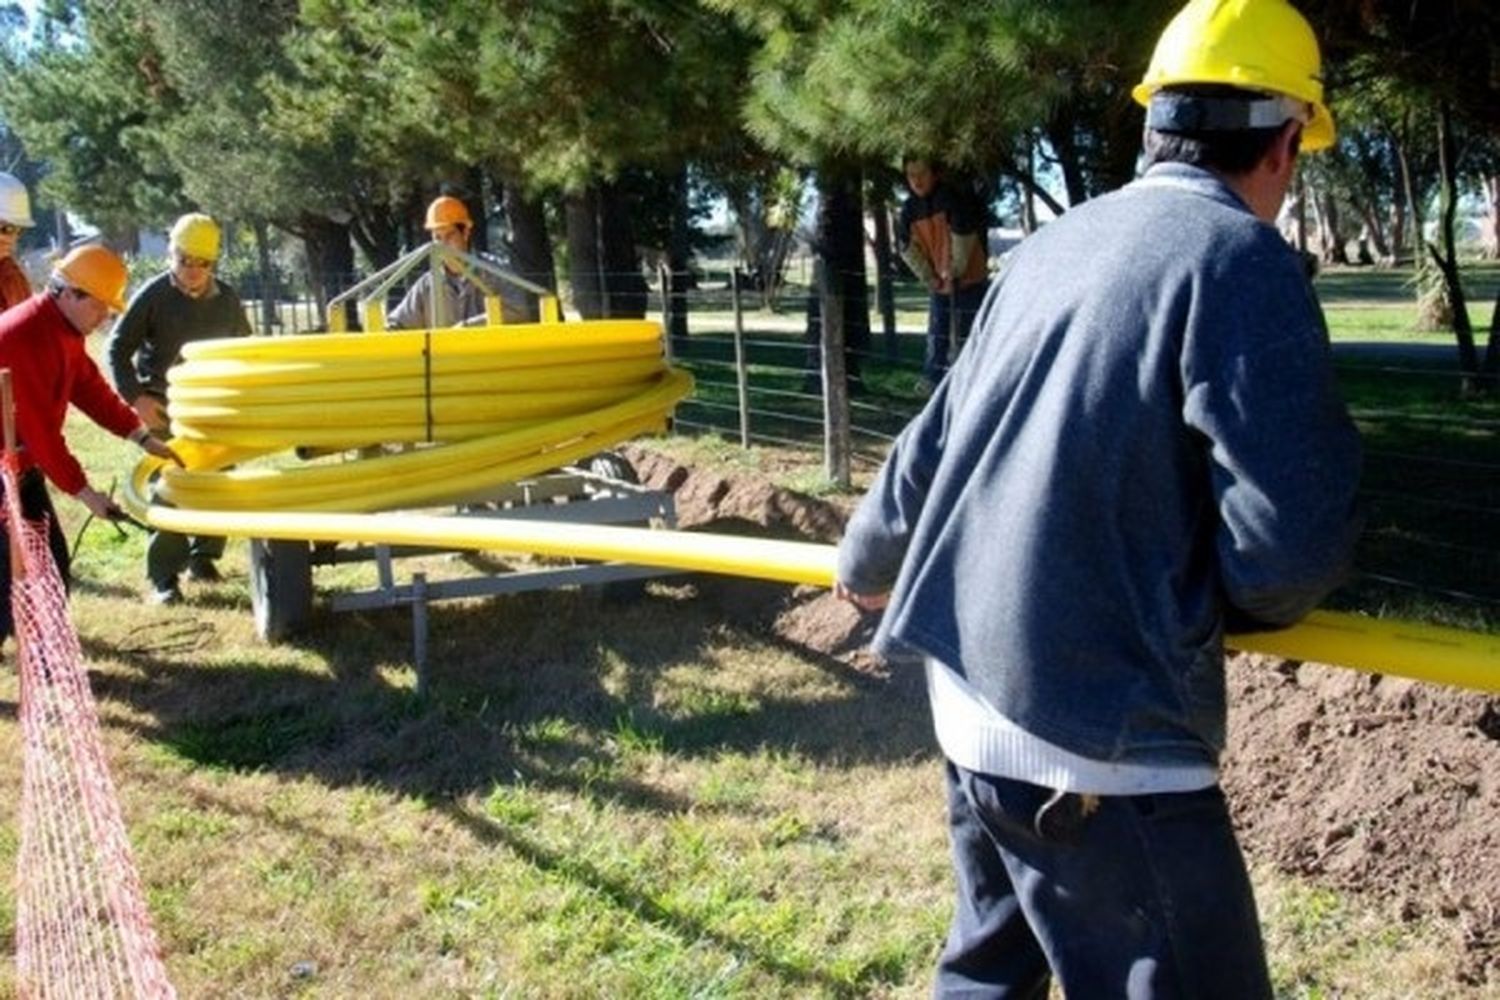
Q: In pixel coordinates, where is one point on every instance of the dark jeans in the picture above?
(36, 505)
(940, 313)
(1147, 897)
(167, 555)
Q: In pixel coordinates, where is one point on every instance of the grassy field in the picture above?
(655, 799)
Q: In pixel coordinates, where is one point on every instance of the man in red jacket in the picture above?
(42, 343)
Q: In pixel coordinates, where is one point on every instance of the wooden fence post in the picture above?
(741, 372)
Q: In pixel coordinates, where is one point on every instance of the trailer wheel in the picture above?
(612, 465)
(280, 587)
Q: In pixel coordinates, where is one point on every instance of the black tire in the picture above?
(610, 465)
(280, 587)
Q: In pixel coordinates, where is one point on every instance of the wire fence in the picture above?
(1431, 489)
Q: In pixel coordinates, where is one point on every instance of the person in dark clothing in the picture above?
(1143, 449)
(941, 234)
(186, 302)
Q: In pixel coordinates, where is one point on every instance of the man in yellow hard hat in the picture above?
(1142, 451)
(15, 218)
(462, 297)
(42, 343)
(184, 303)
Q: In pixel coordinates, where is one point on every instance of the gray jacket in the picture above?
(1142, 438)
(463, 301)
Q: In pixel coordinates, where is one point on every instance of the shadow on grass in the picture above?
(501, 671)
(550, 691)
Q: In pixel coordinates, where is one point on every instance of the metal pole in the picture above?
(419, 630)
(741, 372)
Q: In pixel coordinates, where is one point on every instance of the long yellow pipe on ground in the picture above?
(511, 402)
(1424, 652)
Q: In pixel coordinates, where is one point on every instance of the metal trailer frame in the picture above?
(281, 590)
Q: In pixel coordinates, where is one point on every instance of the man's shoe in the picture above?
(203, 571)
(167, 595)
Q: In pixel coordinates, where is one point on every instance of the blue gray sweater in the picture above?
(1142, 438)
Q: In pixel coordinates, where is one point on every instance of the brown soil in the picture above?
(1381, 786)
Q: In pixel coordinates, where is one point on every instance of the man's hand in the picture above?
(152, 411)
(159, 448)
(865, 602)
(98, 504)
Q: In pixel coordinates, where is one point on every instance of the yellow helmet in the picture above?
(1260, 45)
(447, 211)
(96, 270)
(196, 235)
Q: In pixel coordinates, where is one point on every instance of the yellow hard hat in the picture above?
(1260, 45)
(96, 270)
(447, 211)
(196, 235)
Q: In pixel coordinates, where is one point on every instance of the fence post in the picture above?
(835, 380)
(741, 373)
(664, 277)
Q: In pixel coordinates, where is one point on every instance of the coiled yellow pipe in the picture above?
(499, 404)
(479, 407)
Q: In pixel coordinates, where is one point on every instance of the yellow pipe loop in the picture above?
(475, 408)
(511, 403)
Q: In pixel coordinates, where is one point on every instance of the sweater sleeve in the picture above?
(1284, 457)
(103, 405)
(124, 341)
(878, 534)
(38, 425)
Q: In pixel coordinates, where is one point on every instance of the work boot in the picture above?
(166, 595)
(203, 570)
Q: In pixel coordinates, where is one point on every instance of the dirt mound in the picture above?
(1381, 786)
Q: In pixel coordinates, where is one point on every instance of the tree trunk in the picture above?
(1064, 142)
(330, 263)
(1331, 233)
(269, 291)
(1409, 195)
(584, 269)
(479, 238)
(1374, 231)
(1491, 234)
(377, 234)
(1447, 257)
(623, 280)
(529, 246)
(679, 260)
(1492, 350)
(885, 291)
(840, 247)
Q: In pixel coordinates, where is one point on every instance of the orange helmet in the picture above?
(96, 271)
(447, 211)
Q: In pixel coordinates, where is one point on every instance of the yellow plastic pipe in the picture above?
(1423, 652)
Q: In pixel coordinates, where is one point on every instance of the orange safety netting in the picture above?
(82, 928)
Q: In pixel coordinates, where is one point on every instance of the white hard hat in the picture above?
(15, 203)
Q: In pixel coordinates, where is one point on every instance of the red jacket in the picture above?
(49, 369)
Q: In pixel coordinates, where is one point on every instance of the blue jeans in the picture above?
(1146, 897)
(940, 312)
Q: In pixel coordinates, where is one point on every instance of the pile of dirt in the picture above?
(1381, 786)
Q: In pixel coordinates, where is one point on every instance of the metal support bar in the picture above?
(419, 630)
